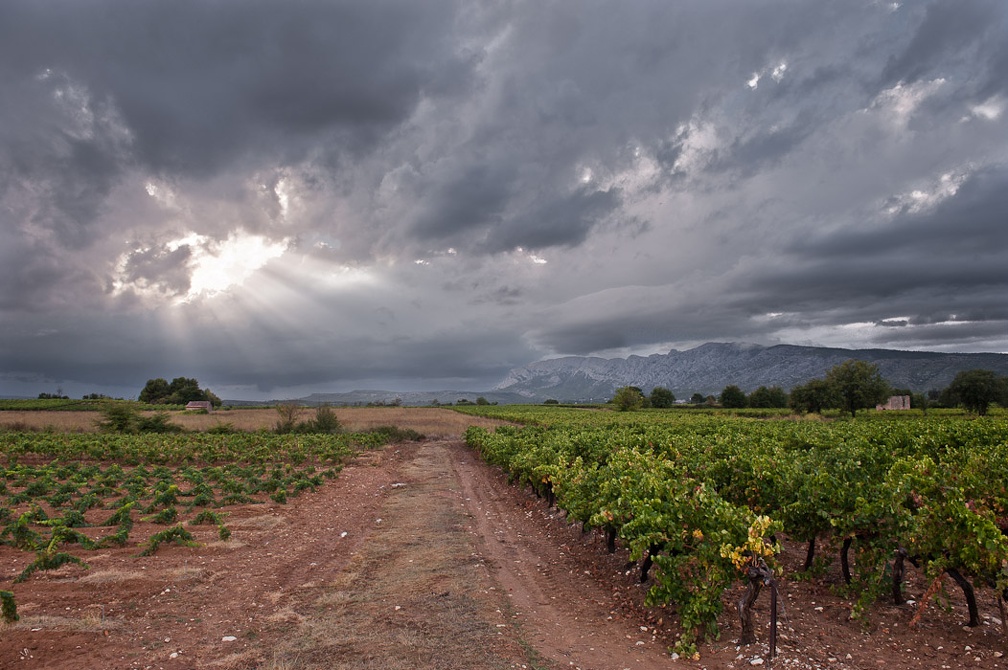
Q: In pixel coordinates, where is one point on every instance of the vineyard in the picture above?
(65, 495)
(702, 500)
(707, 505)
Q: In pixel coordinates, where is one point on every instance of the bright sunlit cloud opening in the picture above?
(217, 267)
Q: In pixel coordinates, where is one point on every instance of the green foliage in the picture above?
(768, 397)
(159, 422)
(325, 421)
(288, 414)
(48, 560)
(176, 534)
(733, 397)
(164, 517)
(662, 398)
(857, 384)
(813, 397)
(123, 417)
(977, 389)
(628, 399)
(119, 418)
(668, 484)
(180, 391)
(8, 607)
(207, 517)
(19, 534)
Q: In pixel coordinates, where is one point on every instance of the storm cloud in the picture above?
(284, 197)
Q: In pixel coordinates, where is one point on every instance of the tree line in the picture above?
(849, 386)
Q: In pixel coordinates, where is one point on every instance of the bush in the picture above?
(288, 414)
(325, 421)
(10, 614)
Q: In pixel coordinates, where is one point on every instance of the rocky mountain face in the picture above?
(707, 369)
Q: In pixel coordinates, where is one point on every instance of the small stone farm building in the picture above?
(895, 402)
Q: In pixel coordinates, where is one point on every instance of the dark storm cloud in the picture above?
(272, 195)
(565, 221)
(204, 84)
(943, 264)
(961, 230)
(950, 31)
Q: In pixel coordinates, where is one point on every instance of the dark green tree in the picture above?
(857, 385)
(976, 390)
(185, 389)
(773, 396)
(813, 397)
(180, 391)
(662, 398)
(733, 397)
(698, 398)
(156, 391)
(628, 398)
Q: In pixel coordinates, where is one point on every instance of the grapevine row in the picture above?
(681, 491)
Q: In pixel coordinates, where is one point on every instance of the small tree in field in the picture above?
(768, 397)
(857, 384)
(734, 397)
(662, 398)
(628, 399)
(813, 397)
(288, 414)
(976, 390)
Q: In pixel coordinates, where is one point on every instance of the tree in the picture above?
(732, 396)
(857, 385)
(768, 397)
(697, 398)
(976, 390)
(155, 391)
(184, 390)
(647, 403)
(662, 397)
(180, 391)
(628, 398)
(813, 397)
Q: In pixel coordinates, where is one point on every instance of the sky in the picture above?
(285, 197)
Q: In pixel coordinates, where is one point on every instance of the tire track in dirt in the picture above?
(563, 613)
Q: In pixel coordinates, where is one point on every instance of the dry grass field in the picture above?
(429, 421)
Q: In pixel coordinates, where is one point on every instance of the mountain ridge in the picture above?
(708, 368)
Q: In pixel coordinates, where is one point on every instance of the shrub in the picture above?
(325, 421)
(9, 607)
(176, 534)
(48, 560)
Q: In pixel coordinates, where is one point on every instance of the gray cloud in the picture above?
(329, 194)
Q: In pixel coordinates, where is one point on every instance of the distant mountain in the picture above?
(366, 397)
(707, 369)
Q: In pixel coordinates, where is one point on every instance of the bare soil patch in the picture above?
(420, 556)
